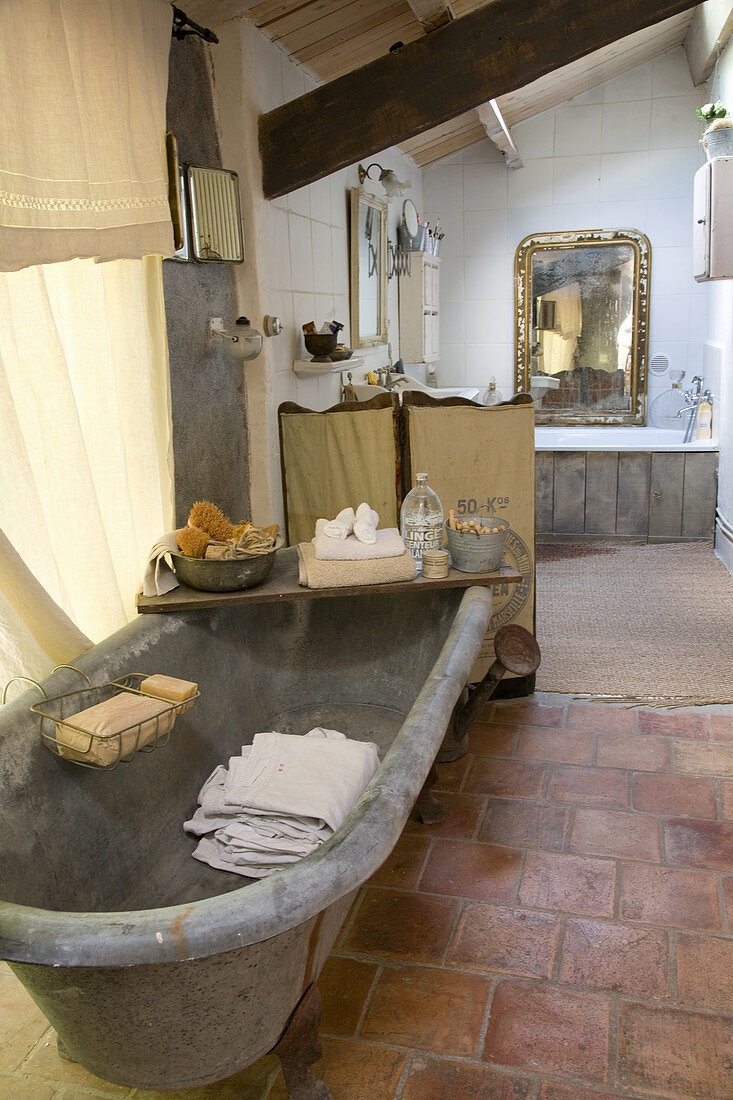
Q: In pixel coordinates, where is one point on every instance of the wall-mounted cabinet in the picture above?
(420, 310)
(712, 239)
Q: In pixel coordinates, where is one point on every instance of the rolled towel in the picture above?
(313, 573)
(159, 577)
(366, 522)
(389, 544)
(341, 526)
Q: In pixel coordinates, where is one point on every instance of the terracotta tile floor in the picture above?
(564, 935)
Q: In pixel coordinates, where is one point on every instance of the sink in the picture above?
(541, 383)
(364, 391)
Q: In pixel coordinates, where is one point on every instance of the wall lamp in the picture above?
(392, 186)
(242, 344)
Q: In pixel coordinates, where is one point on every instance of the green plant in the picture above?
(710, 111)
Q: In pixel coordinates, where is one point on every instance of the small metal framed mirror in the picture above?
(216, 220)
(368, 246)
(582, 307)
(205, 210)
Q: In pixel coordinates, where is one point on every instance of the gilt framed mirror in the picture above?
(582, 311)
(368, 245)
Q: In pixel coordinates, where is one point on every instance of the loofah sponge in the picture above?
(211, 519)
(192, 541)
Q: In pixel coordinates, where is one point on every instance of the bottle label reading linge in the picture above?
(422, 536)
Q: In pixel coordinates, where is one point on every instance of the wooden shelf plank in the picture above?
(282, 585)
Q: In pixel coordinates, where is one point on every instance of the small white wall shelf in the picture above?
(306, 368)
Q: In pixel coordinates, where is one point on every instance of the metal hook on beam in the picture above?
(183, 26)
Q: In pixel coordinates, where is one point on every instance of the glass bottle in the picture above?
(492, 397)
(421, 520)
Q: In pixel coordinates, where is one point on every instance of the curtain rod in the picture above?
(183, 26)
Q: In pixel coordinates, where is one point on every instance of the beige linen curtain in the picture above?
(35, 634)
(82, 130)
(85, 451)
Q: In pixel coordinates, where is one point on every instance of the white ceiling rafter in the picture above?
(431, 14)
(492, 120)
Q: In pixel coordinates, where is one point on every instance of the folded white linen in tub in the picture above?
(279, 800)
(388, 544)
(366, 521)
(342, 524)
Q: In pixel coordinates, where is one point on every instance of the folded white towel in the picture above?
(251, 864)
(309, 777)
(388, 544)
(159, 577)
(279, 800)
(341, 526)
(366, 521)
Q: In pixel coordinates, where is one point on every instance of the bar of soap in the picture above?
(170, 688)
(101, 735)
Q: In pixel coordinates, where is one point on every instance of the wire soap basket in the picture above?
(68, 733)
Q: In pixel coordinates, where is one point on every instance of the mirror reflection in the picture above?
(582, 325)
(368, 269)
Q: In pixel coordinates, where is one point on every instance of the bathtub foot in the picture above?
(516, 651)
(63, 1050)
(430, 809)
(300, 1046)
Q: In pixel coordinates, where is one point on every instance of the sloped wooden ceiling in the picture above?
(330, 38)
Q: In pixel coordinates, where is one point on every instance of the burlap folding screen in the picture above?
(337, 459)
(477, 459)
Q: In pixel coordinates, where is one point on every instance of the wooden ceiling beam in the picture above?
(492, 120)
(431, 14)
(493, 50)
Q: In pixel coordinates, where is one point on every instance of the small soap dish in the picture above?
(62, 724)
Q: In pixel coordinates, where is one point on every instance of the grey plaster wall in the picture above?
(207, 390)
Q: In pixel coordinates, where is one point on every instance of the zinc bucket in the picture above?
(482, 553)
(719, 143)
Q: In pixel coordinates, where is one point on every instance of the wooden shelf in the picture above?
(282, 584)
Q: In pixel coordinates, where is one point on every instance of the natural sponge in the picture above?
(192, 541)
(207, 517)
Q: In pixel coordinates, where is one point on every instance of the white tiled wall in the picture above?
(304, 271)
(720, 352)
(621, 155)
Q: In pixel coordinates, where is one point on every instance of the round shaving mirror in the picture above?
(409, 215)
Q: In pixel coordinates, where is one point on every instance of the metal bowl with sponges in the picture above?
(228, 575)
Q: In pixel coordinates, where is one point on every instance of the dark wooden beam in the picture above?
(487, 53)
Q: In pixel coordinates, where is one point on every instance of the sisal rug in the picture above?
(649, 624)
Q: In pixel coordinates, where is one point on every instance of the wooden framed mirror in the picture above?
(368, 245)
(582, 308)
